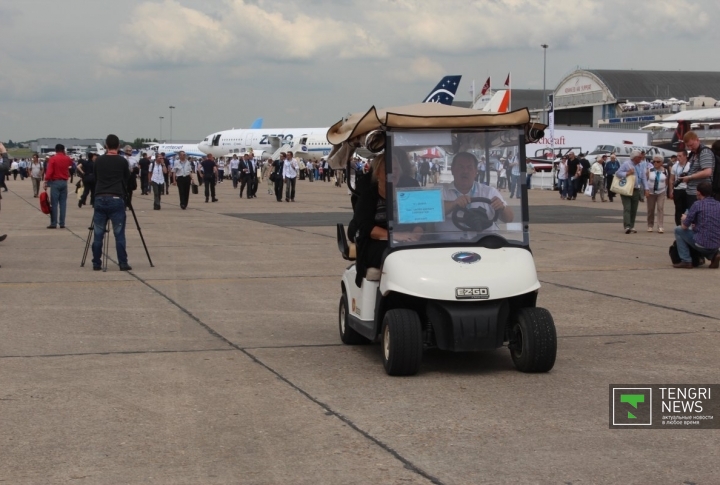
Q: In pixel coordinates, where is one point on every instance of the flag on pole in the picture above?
(551, 123)
(485, 87)
(508, 85)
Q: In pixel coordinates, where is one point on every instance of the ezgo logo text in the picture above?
(631, 406)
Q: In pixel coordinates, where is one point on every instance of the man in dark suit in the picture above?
(244, 170)
(251, 176)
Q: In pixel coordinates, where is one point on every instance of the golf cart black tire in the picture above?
(347, 334)
(539, 340)
(404, 353)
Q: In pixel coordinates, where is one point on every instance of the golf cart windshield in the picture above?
(453, 187)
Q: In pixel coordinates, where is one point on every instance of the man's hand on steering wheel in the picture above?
(497, 204)
(463, 201)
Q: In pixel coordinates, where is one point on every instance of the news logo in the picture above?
(632, 406)
(664, 406)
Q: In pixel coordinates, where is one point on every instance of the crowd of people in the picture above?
(687, 180)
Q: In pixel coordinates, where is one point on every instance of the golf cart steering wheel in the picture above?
(474, 219)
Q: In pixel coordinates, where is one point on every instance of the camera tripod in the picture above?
(106, 241)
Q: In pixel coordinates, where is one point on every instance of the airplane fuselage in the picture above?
(260, 141)
(172, 149)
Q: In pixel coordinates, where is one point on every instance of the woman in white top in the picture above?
(221, 169)
(36, 174)
(15, 169)
(657, 190)
(679, 194)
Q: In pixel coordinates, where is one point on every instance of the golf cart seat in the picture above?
(347, 249)
(373, 274)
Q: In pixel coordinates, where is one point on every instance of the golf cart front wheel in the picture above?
(348, 335)
(533, 341)
(402, 342)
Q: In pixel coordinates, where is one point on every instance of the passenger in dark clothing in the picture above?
(370, 215)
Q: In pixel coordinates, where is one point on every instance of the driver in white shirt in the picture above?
(465, 187)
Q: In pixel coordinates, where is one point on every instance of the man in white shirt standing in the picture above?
(234, 166)
(290, 173)
(157, 179)
(181, 174)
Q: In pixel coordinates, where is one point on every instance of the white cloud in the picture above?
(170, 33)
(426, 69)
(306, 62)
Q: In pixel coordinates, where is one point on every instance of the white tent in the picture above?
(659, 126)
(696, 115)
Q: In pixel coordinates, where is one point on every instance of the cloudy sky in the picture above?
(85, 68)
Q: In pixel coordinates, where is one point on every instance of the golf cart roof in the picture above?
(349, 133)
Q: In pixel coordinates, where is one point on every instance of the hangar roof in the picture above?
(651, 85)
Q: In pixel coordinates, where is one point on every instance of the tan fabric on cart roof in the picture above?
(421, 115)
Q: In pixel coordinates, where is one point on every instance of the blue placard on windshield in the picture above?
(418, 206)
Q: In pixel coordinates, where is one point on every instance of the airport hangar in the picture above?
(44, 145)
(592, 97)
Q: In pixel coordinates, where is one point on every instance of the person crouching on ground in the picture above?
(112, 174)
(700, 229)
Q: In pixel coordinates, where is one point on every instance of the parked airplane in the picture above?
(499, 103)
(307, 142)
(172, 149)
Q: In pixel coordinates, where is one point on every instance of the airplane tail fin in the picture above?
(257, 124)
(444, 92)
(500, 102)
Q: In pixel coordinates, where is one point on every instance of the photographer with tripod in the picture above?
(112, 175)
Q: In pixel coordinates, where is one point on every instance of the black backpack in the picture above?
(716, 171)
(696, 257)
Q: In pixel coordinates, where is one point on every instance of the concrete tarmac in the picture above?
(223, 364)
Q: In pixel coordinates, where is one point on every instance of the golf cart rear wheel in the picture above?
(402, 342)
(533, 341)
(347, 334)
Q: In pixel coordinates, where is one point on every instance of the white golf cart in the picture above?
(456, 273)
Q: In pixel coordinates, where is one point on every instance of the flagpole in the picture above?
(473, 94)
(510, 88)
